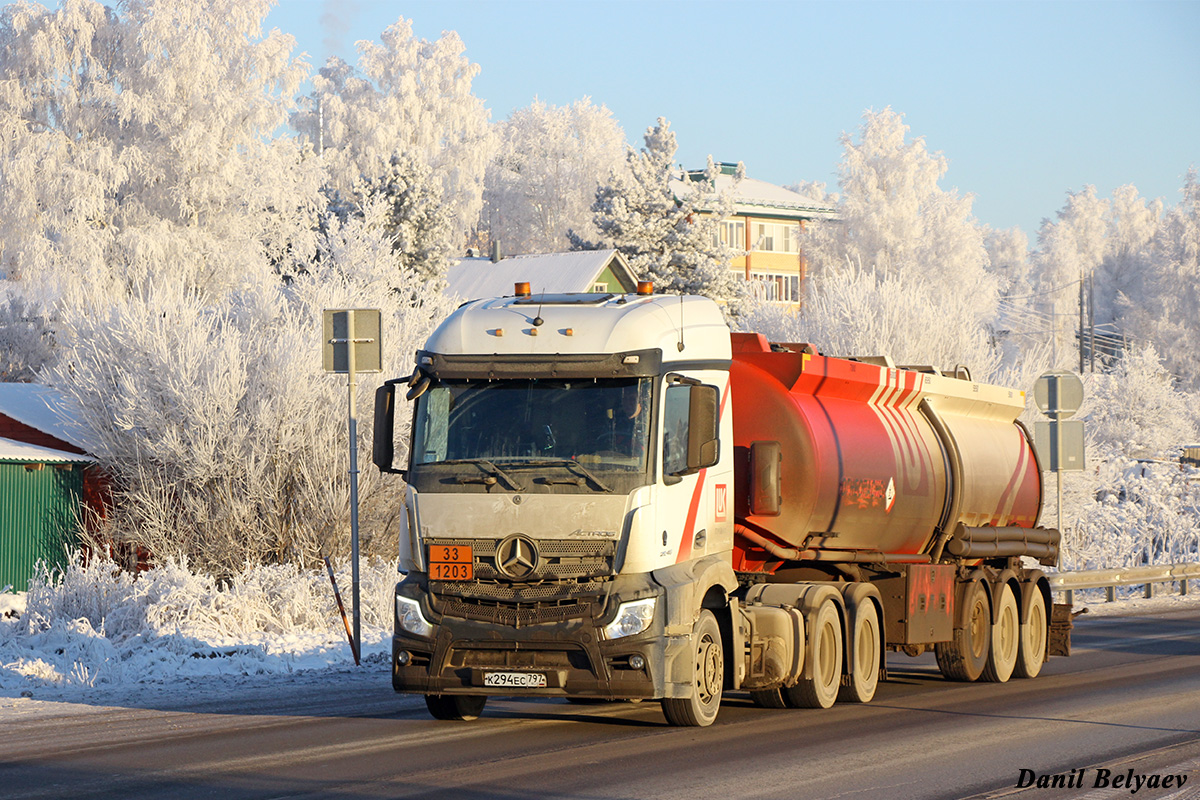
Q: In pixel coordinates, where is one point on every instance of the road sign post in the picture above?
(353, 344)
(1059, 442)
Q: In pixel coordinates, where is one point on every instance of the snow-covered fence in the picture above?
(1110, 579)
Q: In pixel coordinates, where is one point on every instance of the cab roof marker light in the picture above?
(645, 287)
(521, 289)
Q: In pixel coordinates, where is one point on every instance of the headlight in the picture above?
(410, 618)
(632, 617)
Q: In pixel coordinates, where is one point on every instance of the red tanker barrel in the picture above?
(862, 465)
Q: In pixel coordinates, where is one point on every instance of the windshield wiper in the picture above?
(490, 479)
(570, 462)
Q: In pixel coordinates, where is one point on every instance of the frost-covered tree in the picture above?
(1166, 310)
(904, 270)
(406, 203)
(225, 441)
(665, 222)
(1008, 257)
(1070, 247)
(144, 135)
(410, 98)
(896, 219)
(1120, 278)
(548, 165)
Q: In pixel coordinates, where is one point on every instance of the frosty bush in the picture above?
(1139, 513)
(1136, 410)
(94, 623)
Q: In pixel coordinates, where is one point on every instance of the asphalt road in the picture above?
(1127, 699)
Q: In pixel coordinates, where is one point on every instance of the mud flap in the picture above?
(1060, 630)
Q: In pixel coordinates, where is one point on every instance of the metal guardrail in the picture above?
(1110, 579)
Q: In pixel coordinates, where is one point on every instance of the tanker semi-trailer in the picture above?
(613, 496)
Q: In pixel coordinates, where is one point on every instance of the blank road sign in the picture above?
(357, 327)
(1059, 444)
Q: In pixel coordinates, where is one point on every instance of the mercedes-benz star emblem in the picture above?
(517, 557)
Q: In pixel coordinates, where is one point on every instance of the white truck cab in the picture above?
(569, 503)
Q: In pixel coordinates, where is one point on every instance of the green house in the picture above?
(40, 497)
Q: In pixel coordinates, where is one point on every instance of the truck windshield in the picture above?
(602, 424)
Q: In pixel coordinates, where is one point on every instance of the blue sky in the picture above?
(1027, 100)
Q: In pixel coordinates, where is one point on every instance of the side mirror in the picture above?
(382, 447)
(704, 413)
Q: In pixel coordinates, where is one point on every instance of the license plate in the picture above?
(451, 562)
(515, 680)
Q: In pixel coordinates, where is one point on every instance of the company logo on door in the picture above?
(720, 495)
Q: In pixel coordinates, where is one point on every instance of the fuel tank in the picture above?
(871, 458)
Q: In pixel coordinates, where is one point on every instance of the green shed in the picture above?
(41, 491)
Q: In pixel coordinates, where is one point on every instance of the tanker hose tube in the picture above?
(990, 542)
(786, 553)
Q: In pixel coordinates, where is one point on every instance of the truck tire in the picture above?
(1032, 651)
(708, 678)
(860, 684)
(1006, 635)
(820, 690)
(964, 657)
(455, 706)
(769, 698)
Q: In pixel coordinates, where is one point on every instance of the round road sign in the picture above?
(1058, 393)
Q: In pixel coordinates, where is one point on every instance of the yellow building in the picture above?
(764, 230)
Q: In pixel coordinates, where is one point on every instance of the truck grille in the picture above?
(568, 583)
(559, 559)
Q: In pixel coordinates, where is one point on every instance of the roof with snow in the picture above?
(12, 451)
(552, 273)
(754, 197)
(34, 405)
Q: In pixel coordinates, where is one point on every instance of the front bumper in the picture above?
(572, 654)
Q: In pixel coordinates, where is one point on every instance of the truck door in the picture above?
(687, 502)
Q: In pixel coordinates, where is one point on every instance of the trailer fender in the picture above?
(1007, 576)
(978, 576)
(1035, 581)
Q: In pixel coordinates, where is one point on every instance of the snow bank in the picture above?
(97, 626)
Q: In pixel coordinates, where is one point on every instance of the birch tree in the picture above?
(549, 163)
(409, 98)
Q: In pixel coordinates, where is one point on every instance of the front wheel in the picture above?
(455, 706)
(708, 677)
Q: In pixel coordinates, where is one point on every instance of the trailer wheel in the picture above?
(708, 678)
(864, 667)
(1032, 651)
(1006, 634)
(820, 690)
(964, 657)
(455, 706)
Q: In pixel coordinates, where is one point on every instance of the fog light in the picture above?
(403, 658)
(635, 661)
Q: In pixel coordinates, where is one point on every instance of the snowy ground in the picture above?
(100, 637)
